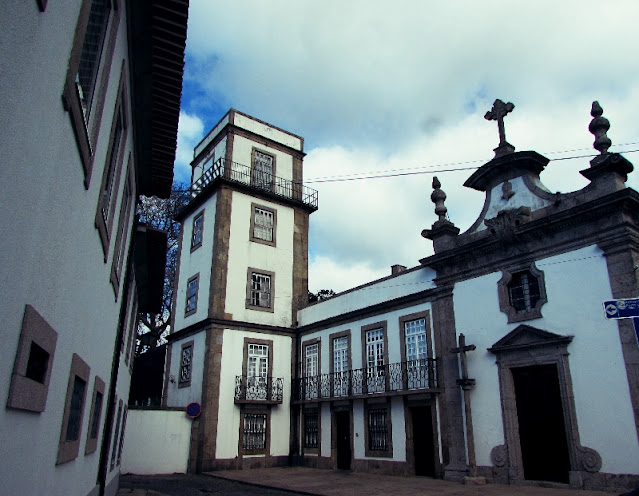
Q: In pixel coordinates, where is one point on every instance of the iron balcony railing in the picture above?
(412, 375)
(258, 389)
(264, 181)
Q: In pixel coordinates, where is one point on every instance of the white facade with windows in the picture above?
(73, 165)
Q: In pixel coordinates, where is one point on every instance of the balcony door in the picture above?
(416, 354)
(311, 369)
(375, 376)
(340, 366)
(257, 371)
(263, 170)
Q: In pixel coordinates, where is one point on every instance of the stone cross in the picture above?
(464, 382)
(497, 113)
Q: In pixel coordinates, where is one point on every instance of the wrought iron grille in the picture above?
(254, 432)
(266, 389)
(241, 173)
(394, 377)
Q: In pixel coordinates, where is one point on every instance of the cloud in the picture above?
(190, 133)
(379, 89)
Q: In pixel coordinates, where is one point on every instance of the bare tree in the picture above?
(160, 214)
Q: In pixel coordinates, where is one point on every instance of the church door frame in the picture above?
(527, 346)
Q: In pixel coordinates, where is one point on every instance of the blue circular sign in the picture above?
(193, 410)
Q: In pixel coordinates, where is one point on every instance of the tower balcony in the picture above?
(255, 179)
(413, 376)
(261, 390)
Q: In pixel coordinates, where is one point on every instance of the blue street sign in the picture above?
(625, 308)
(193, 410)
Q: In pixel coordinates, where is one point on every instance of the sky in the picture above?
(398, 91)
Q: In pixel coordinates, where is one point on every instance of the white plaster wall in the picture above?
(242, 154)
(359, 438)
(376, 292)
(228, 428)
(219, 151)
(523, 197)
(399, 429)
(576, 285)
(191, 263)
(182, 396)
(244, 253)
(52, 257)
(211, 135)
(326, 429)
(267, 131)
(157, 442)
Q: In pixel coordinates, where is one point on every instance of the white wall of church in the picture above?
(177, 396)
(194, 262)
(228, 428)
(576, 285)
(244, 253)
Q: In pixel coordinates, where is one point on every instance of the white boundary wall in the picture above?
(157, 442)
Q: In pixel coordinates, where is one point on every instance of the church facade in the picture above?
(492, 358)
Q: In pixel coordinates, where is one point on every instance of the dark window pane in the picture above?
(254, 436)
(97, 410)
(524, 291)
(377, 430)
(75, 409)
(37, 364)
(310, 430)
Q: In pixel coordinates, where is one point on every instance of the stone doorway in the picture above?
(422, 440)
(343, 439)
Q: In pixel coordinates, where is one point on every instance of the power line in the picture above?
(411, 170)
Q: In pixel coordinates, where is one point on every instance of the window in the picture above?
(416, 352)
(260, 290)
(192, 286)
(112, 169)
(341, 362)
(311, 430)
(263, 170)
(375, 359)
(377, 430)
(522, 293)
(32, 367)
(95, 416)
(186, 365)
(122, 430)
(254, 432)
(74, 410)
(198, 226)
(124, 226)
(88, 72)
(257, 370)
(116, 433)
(263, 222)
(311, 369)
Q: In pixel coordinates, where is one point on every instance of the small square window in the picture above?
(191, 295)
(260, 290)
(34, 360)
(263, 224)
(198, 226)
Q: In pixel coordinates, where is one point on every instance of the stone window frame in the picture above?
(425, 314)
(249, 280)
(504, 294)
(316, 411)
(86, 134)
(187, 383)
(265, 342)
(116, 434)
(527, 346)
(26, 393)
(196, 278)
(370, 327)
(68, 449)
(195, 245)
(332, 337)
(311, 342)
(124, 226)
(372, 405)
(255, 183)
(311, 384)
(252, 237)
(95, 416)
(113, 165)
(255, 410)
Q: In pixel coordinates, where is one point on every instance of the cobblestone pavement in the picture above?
(299, 480)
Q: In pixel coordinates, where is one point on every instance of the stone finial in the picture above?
(438, 197)
(599, 127)
(497, 113)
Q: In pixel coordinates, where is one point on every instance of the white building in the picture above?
(90, 94)
(541, 387)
